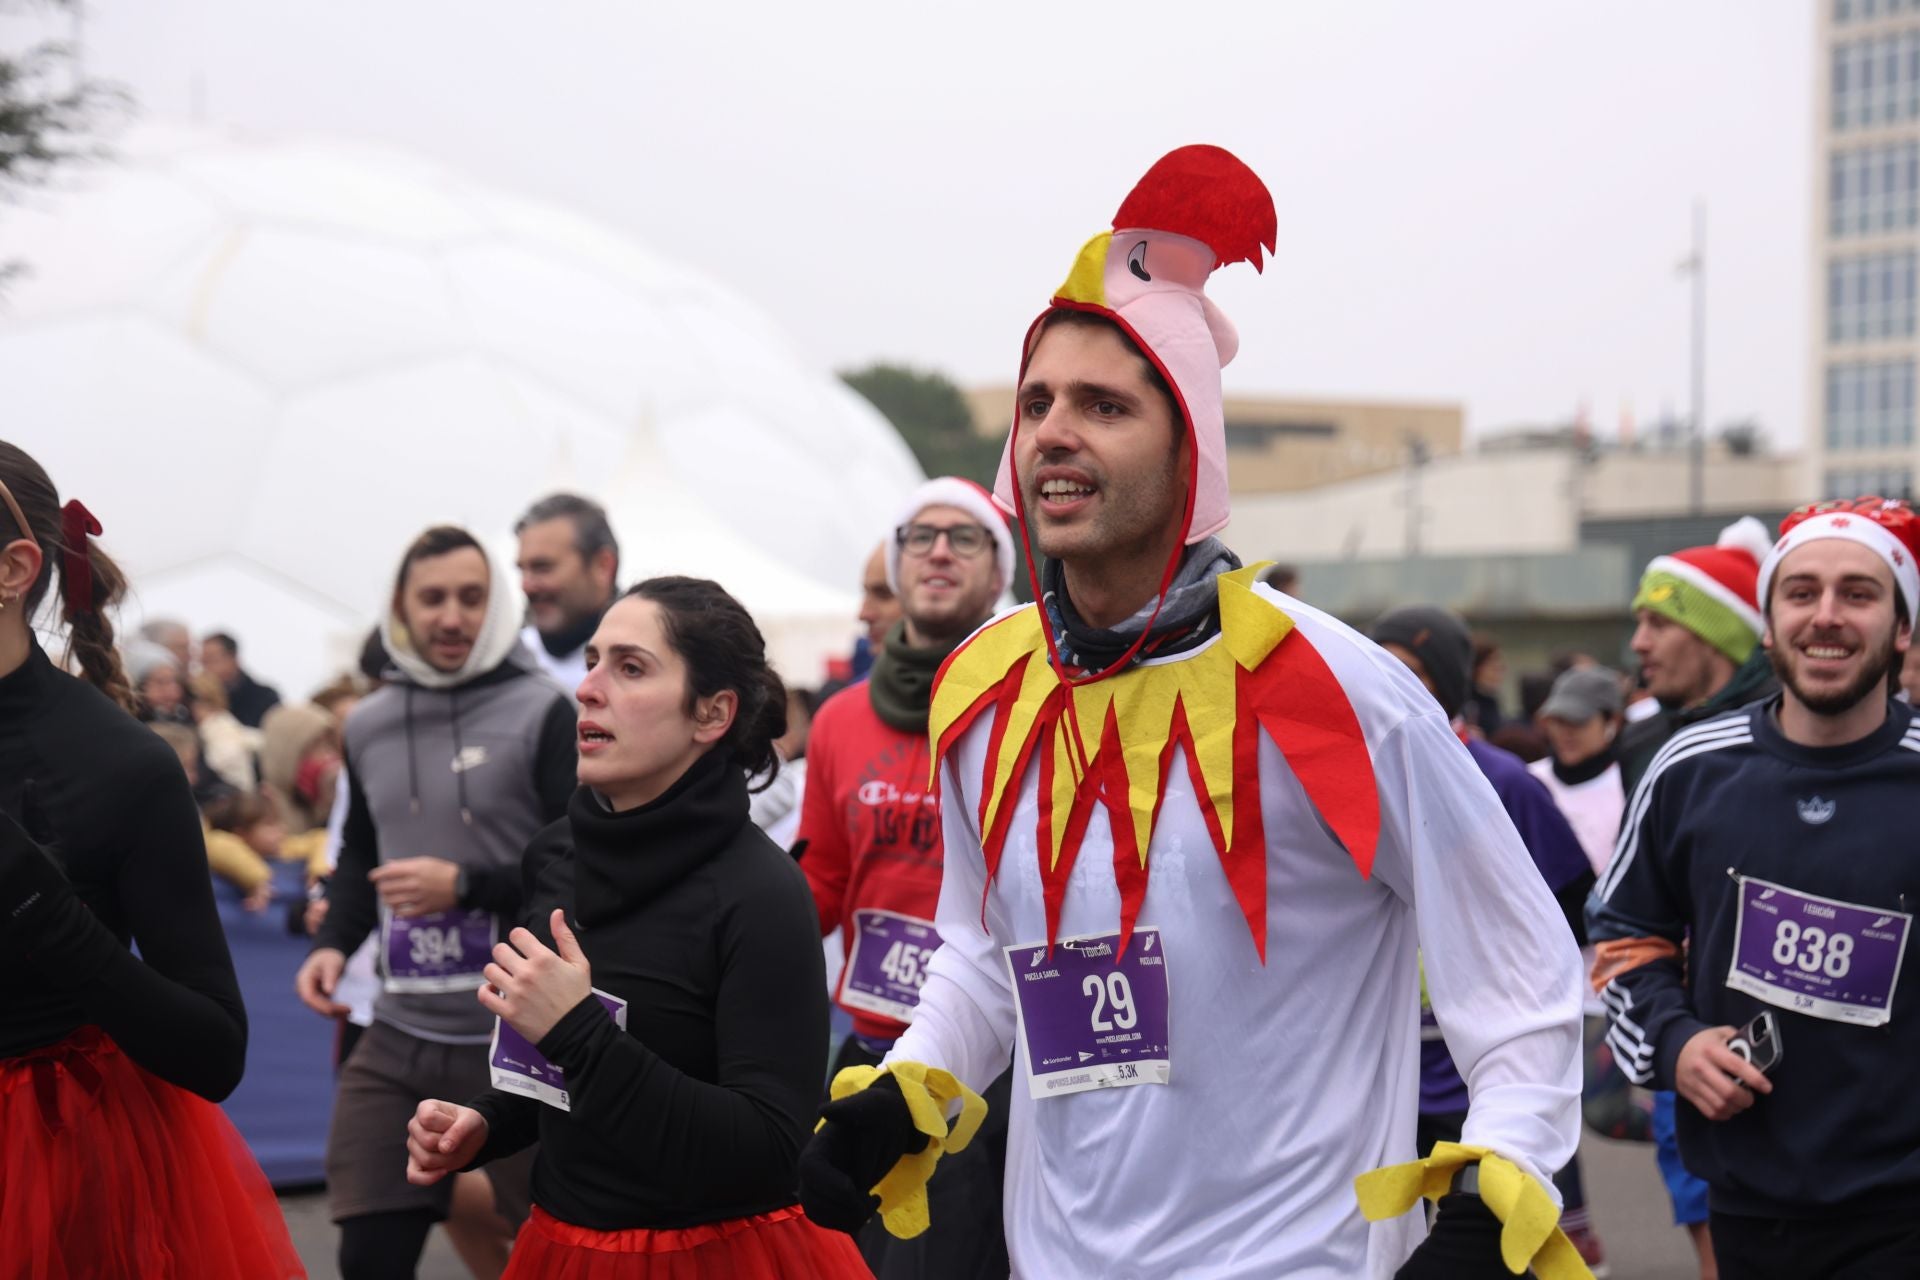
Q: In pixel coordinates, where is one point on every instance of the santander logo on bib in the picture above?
(1815, 811)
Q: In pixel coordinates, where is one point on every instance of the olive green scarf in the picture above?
(901, 684)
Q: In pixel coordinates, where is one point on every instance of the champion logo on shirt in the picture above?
(470, 758)
(1815, 811)
(879, 791)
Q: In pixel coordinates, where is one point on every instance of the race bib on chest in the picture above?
(1817, 956)
(517, 1066)
(888, 963)
(1087, 1022)
(442, 951)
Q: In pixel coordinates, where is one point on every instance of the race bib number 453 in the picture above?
(887, 963)
(1087, 1021)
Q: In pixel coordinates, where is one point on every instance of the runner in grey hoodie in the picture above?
(451, 769)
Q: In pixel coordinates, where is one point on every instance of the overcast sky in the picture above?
(1480, 201)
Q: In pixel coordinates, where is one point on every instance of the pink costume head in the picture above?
(1198, 209)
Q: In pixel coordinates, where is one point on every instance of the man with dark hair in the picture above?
(569, 565)
(879, 608)
(1436, 646)
(247, 699)
(451, 769)
(1489, 673)
(870, 823)
(1194, 835)
(1751, 925)
(1697, 636)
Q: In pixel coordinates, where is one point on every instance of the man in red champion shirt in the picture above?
(871, 830)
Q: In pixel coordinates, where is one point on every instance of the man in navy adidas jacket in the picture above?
(1767, 861)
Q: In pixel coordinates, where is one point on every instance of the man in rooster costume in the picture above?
(1196, 833)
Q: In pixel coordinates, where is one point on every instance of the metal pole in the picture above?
(1698, 463)
(1416, 459)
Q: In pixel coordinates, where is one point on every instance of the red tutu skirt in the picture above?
(782, 1245)
(110, 1173)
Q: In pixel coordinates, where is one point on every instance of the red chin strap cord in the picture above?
(1077, 757)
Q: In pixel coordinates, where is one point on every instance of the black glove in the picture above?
(865, 1136)
(1464, 1244)
(42, 917)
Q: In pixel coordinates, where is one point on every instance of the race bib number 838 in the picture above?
(1817, 956)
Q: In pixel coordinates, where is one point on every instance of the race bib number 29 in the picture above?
(1087, 1021)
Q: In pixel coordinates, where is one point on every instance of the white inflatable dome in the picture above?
(266, 365)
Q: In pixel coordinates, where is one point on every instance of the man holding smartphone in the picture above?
(1767, 864)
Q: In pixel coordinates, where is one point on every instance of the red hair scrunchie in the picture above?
(77, 524)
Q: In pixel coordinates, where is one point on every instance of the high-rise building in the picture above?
(1866, 240)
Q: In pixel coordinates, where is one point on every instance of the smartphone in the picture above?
(1759, 1042)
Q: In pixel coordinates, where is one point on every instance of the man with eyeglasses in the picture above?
(871, 827)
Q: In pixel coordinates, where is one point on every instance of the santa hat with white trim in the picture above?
(954, 491)
(1885, 526)
(1713, 591)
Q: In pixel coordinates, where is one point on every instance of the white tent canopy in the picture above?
(266, 365)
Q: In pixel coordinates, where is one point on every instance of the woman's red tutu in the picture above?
(110, 1173)
(782, 1245)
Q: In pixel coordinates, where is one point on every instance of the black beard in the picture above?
(1871, 680)
(570, 636)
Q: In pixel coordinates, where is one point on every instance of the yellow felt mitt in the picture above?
(928, 1091)
(1530, 1234)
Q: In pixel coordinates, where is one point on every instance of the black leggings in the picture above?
(384, 1246)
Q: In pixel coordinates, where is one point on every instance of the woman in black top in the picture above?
(114, 1161)
(669, 1149)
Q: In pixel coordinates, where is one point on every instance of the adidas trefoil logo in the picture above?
(1815, 811)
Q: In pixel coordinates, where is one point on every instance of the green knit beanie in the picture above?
(1710, 590)
(1710, 618)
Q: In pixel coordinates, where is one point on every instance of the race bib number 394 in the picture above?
(442, 951)
(1817, 956)
(1087, 1021)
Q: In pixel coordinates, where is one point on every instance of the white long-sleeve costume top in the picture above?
(1289, 1078)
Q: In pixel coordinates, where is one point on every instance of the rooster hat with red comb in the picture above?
(1197, 209)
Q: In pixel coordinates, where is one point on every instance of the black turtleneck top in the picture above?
(698, 1111)
(108, 800)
